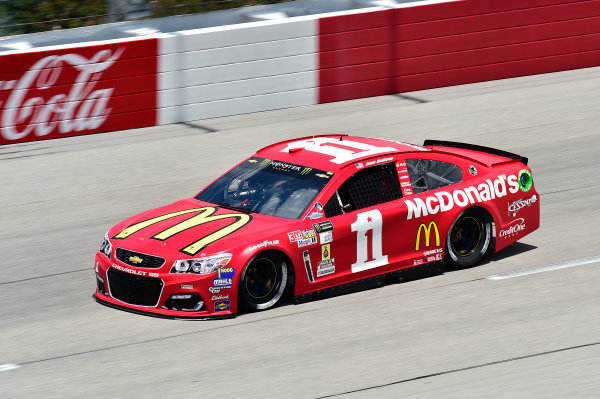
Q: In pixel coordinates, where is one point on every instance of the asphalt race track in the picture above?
(458, 335)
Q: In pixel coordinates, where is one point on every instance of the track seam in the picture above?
(426, 376)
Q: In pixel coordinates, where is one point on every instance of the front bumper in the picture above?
(156, 293)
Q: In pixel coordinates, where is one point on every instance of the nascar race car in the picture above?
(316, 215)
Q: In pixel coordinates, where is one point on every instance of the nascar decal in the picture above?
(444, 201)
(205, 215)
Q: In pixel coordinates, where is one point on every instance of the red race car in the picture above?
(317, 215)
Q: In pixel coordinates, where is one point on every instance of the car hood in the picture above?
(191, 228)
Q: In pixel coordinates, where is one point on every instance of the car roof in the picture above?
(333, 152)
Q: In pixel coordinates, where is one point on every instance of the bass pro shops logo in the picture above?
(71, 103)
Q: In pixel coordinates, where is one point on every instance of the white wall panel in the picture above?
(243, 105)
(249, 52)
(249, 87)
(255, 32)
(249, 70)
(228, 70)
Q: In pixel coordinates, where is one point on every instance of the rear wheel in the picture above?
(263, 282)
(469, 238)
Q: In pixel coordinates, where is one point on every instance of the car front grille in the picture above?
(131, 257)
(134, 290)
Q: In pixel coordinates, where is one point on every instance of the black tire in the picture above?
(469, 239)
(263, 282)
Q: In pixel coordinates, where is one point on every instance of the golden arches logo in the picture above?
(427, 230)
(205, 215)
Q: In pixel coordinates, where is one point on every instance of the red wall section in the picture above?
(454, 42)
(74, 91)
(355, 58)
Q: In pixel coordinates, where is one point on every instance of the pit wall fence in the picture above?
(165, 78)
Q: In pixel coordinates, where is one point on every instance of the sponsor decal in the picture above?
(286, 167)
(204, 215)
(58, 94)
(187, 287)
(265, 243)
(219, 297)
(417, 262)
(319, 207)
(405, 184)
(222, 306)
(309, 233)
(222, 282)
(472, 170)
(295, 235)
(322, 227)
(325, 252)
(407, 191)
(308, 266)
(304, 242)
(428, 229)
(525, 180)
(225, 272)
(444, 201)
(214, 290)
(322, 176)
(326, 237)
(252, 161)
(316, 215)
(514, 228)
(325, 267)
(433, 251)
(519, 204)
(404, 177)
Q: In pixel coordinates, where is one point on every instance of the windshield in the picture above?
(268, 187)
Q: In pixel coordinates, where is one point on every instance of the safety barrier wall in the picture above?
(285, 62)
(435, 44)
(251, 67)
(72, 90)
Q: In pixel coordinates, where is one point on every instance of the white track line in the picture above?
(8, 366)
(545, 268)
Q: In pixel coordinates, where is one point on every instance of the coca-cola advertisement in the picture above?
(79, 90)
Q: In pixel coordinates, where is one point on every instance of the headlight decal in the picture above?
(204, 265)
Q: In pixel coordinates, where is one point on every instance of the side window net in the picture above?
(365, 188)
(427, 174)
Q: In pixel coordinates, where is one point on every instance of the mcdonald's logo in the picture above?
(203, 215)
(427, 230)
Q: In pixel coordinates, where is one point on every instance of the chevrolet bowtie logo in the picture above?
(135, 260)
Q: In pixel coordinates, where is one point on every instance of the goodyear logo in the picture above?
(225, 272)
(427, 230)
(135, 260)
(222, 306)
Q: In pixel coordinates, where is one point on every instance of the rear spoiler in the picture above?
(476, 147)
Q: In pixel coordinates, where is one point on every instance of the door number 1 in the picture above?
(369, 251)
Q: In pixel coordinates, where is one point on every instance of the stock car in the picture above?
(317, 215)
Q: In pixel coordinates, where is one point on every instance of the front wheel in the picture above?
(263, 282)
(469, 238)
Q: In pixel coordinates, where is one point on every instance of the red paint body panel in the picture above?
(81, 90)
(366, 242)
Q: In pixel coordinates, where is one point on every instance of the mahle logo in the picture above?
(427, 230)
